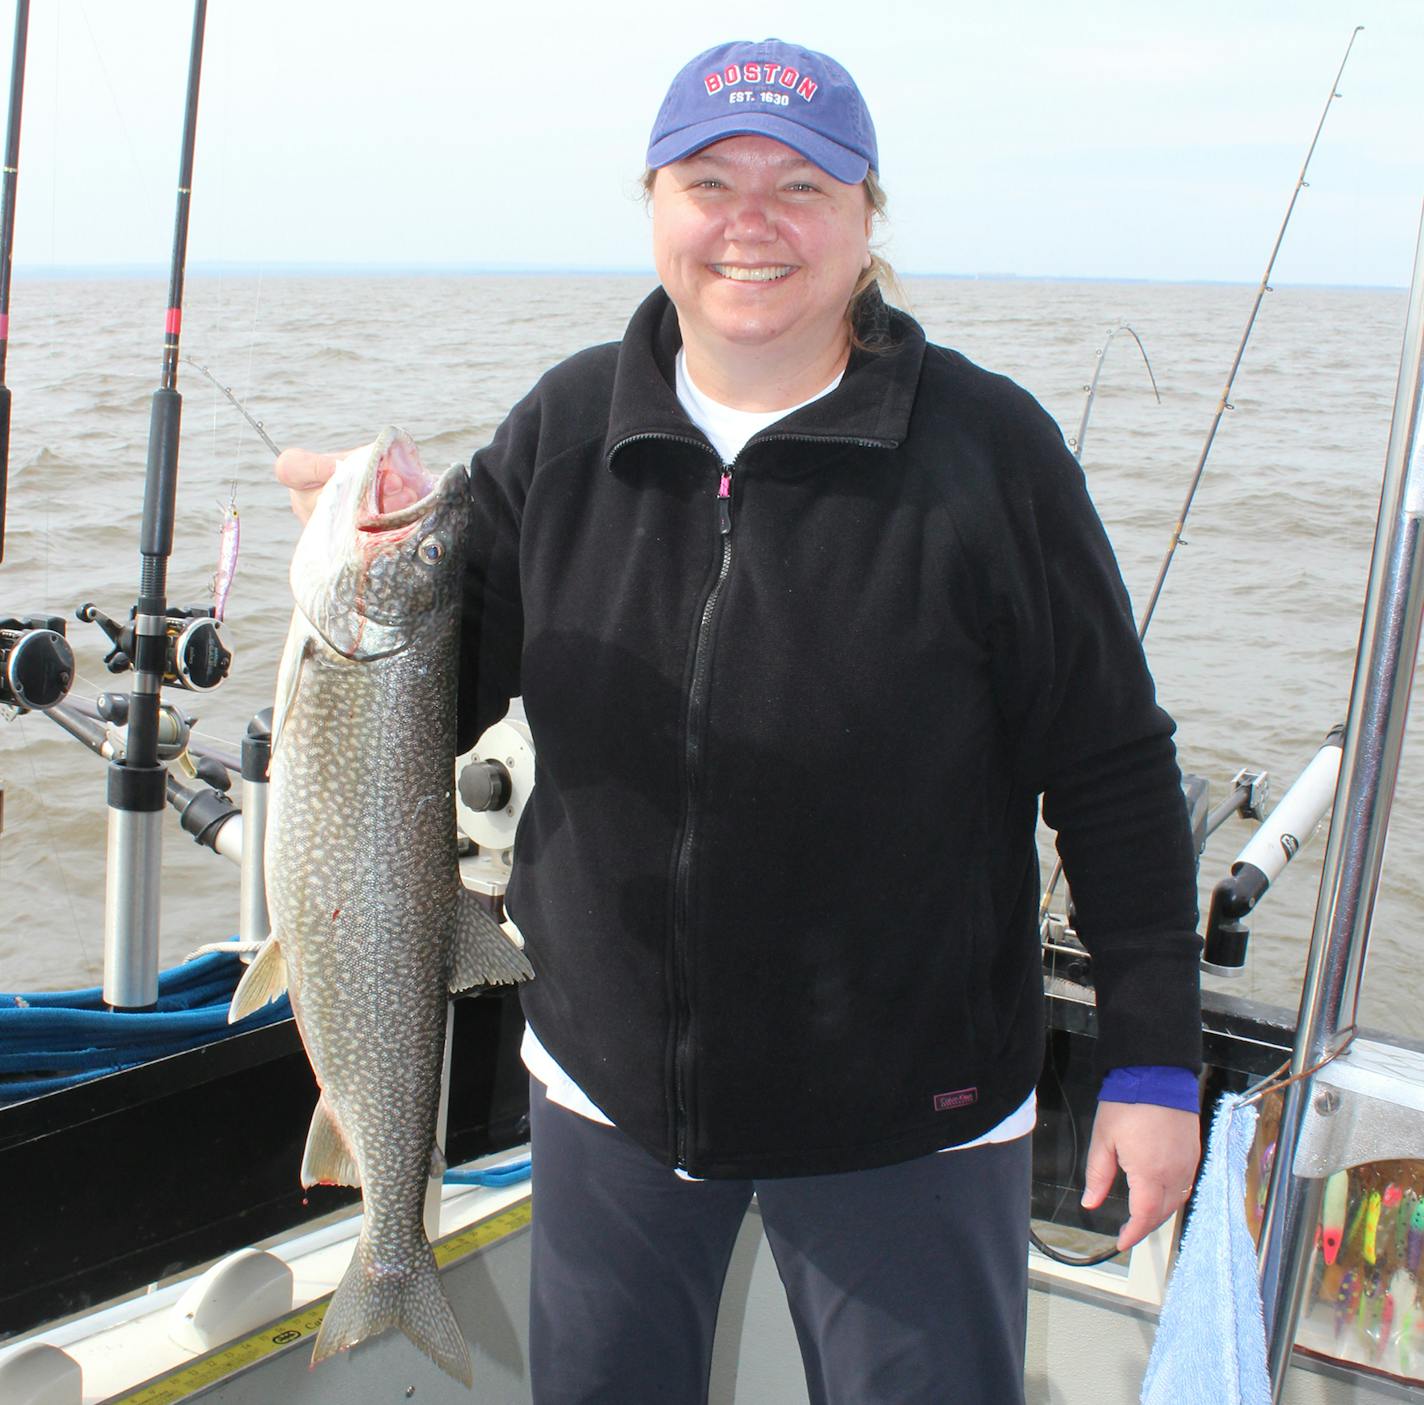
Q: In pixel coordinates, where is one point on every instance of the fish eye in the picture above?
(430, 550)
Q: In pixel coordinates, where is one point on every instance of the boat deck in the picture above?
(1090, 1331)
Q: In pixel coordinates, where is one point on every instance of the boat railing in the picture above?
(1350, 1100)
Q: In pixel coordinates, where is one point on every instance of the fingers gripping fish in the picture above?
(371, 927)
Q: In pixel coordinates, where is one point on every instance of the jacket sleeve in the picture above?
(1074, 686)
(492, 620)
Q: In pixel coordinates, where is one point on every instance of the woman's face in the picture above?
(758, 248)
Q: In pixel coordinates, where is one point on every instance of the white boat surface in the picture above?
(1090, 1331)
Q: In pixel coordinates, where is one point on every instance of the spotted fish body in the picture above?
(371, 927)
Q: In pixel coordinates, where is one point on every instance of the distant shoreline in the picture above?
(38, 273)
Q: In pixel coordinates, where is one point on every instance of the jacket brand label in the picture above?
(961, 1097)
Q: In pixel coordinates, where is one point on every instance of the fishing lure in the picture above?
(1357, 1220)
(1411, 1323)
(1346, 1300)
(1372, 1218)
(229, 540)
(1372, 1310)
(1333, 1220)
(1386, 1324)
(1416, 1237)
(1268, 1155)
(1407, 1202)
(1389, 1223)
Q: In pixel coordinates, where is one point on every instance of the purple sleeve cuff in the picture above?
(1165, 1087)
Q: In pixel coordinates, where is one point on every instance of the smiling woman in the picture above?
(720, 560)
(760, 251)
(877, 273)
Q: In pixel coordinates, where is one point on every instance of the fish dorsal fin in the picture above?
(328, 1159)
(484, 953)
(262, 982)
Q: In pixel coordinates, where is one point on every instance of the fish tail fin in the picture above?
(263, 981)
(369, 1299)
(484, 953)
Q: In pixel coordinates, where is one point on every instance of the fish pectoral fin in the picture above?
(328, 1159)
(262, 982)
(484, 953)
(244, 949)
(289, 683)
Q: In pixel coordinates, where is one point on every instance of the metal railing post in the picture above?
(1374, 738)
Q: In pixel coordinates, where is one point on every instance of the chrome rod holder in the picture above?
(131, 908)
(254, 924)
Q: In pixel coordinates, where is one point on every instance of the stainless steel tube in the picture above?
(253, 923)
(131, 908)
(1374, 737)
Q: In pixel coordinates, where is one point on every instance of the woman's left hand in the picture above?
(1157, 1148)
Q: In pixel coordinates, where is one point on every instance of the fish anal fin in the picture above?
(263, 981)
(484, 953)
(328, 1159)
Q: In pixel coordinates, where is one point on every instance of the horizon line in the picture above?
(62, 272)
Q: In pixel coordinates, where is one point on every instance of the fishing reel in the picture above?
(197, 658)
(36, 662)
(174, 730)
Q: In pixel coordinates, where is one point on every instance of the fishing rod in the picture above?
(1076, 442)
(7, 238)
(138, 781)
(237, 405)
(1223, 404)
(36, 662)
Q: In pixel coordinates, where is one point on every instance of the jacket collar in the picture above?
(871, 406)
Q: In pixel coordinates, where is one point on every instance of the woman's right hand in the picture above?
(304, 473)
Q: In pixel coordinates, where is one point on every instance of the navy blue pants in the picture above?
(907, 1284)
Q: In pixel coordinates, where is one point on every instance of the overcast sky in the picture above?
(1117, 138)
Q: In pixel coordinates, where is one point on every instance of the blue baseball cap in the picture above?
(768, 89)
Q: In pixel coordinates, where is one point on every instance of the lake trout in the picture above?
(371, 927)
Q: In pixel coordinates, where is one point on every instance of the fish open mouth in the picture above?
(400, 488)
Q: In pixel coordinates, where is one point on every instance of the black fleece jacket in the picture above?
(778, 876)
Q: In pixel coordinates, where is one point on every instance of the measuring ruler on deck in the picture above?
(303, 1324)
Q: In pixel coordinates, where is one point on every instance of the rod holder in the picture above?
(131, 899)
(254, 923)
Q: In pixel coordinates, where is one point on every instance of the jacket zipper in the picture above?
(696, 710)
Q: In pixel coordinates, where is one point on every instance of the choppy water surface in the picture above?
(1252, 644)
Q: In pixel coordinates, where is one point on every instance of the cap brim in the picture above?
(845, 165)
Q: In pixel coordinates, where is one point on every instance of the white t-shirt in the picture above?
(728, 429)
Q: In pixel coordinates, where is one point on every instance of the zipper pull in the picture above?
(724, 503)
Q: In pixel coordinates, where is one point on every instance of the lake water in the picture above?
(1252, 645)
